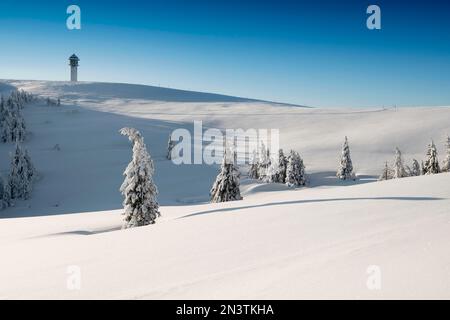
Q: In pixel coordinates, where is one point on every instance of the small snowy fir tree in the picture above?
(140, 204)
(276, 172)
(5, 193)
(253, 171)
(398, 171)
(386, 174)
(227, 184)
(295, 170)
(170, 146)
(282, 165)
(415, 169)
(446, 165)
(345, 170)
(431, 165)
(264, 162)
(20, 177)
(273, 171)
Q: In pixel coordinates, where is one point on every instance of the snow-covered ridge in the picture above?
(107, 90)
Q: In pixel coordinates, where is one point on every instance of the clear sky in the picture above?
(317, 53)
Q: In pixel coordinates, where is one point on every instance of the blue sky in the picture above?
(316, 53)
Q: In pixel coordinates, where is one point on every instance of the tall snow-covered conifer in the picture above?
(226, 187)
(254, 163)
(140, 203)
(431, 165)
(264, 162)
(398, 171)
(295, 170)
(282, 165)
(345, 170)
(276, 172)
(272, 171)
(415, 169)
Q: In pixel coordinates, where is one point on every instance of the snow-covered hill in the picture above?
(314, 242)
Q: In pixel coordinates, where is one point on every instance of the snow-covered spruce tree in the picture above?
(276, 172)
(386, 174)
(415, 169)
(431, 165)
(226, 187)
(272, 171)
(140, 204)
(254, 164)
(446, 164)
(170, 146)
(345, 170)
(20, 177)
(295, 170)
(5, 193)
(398, 171)
(264, 162)
(282, 165)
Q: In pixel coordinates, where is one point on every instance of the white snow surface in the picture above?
(312, 242)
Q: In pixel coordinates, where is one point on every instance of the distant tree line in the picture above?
(427, 167)
(18, 183)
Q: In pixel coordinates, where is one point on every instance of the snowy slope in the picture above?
(315, 242)
(295, 244)
(93, 155)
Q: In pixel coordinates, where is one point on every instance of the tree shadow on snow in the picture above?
(329, 179)
(272, 204)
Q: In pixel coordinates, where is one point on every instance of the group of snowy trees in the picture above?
(278, 168)
(268, 168)
(18, 183)
(427, 167)
(141, 206)
(12, 123)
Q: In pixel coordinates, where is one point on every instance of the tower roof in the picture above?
(74, 57)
